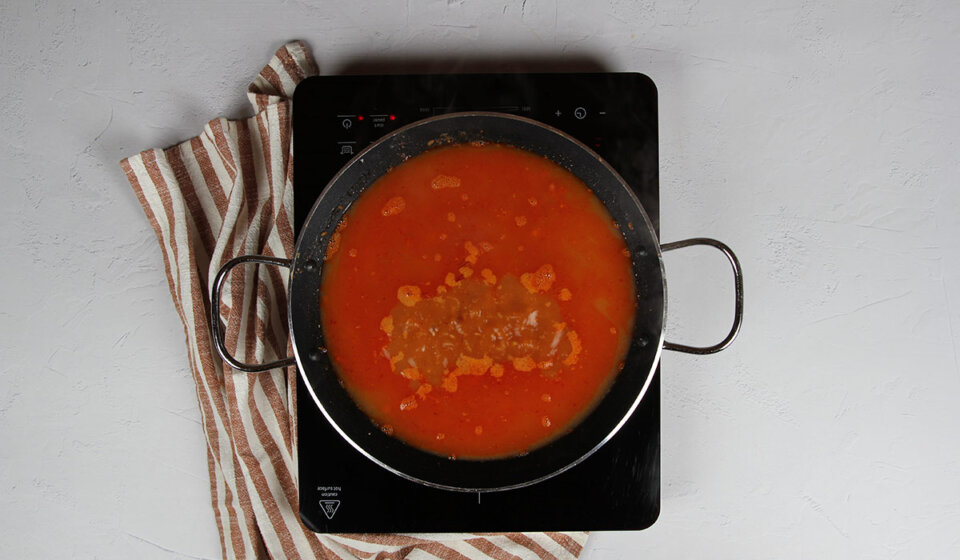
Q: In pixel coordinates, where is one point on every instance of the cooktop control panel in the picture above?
(616, 488)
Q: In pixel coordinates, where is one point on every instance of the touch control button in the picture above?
(580, 113)
(347, 123)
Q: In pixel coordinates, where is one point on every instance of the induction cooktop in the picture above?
(616, 488)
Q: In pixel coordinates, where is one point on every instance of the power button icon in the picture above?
(580, 113)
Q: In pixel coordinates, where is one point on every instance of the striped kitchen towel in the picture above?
(229, 192)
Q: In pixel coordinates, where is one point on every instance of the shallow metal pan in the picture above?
(564, 452)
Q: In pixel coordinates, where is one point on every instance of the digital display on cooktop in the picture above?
(616, 488)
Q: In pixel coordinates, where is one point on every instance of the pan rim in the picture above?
(297, 264)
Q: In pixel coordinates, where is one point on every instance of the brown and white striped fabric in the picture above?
(229, 192)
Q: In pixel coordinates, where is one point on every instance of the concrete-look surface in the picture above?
(819, 139)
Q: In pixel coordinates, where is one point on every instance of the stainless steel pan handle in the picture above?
(217, 328)
(738, 287)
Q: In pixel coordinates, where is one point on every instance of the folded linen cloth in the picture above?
(228, 192)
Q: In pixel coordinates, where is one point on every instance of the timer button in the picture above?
(580, 113)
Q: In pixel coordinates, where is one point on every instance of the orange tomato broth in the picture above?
(505, 230)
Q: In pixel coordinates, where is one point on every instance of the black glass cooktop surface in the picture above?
(616, 488)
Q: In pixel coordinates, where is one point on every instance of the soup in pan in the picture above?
(477, 301)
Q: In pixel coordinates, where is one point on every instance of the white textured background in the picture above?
(817, 138)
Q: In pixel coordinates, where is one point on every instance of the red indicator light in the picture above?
(359, 117)
(393, 117)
